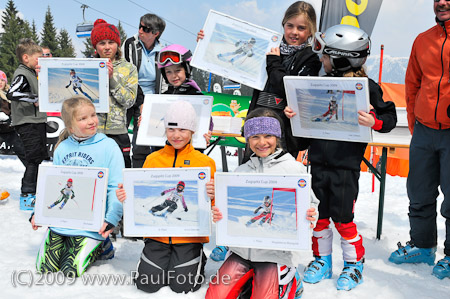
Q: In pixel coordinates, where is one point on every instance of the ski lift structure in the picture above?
(84, 29)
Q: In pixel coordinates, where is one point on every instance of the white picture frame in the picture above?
(83, 205)
(57, 82)
(238, 197)
(152, 131)
(311, 99)
(146, 213)
(226, 49)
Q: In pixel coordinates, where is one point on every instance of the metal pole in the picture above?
(382, 190)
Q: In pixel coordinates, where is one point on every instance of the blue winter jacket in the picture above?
(98, 151)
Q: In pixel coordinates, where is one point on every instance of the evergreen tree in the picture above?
(66, 48)
(14, 29)
(49, 36)
(123, 35)
(88, 49)
(34, 34)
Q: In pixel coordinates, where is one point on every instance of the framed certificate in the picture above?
(263, 211)
(235, 49)
(163, 202)
(327, 108)
(152, 131)
(62, 78)
(71, 197)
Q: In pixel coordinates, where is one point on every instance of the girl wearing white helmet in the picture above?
(166, 260)
(335, 165)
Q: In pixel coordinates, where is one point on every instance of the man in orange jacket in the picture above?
(427, 86)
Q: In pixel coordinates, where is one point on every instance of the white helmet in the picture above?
(347, 46)
(267, 199)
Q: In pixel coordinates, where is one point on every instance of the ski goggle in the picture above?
(145, 28)
(172, 56)
(319, 46)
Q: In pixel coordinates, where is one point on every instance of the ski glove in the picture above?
(109, 226)
(186, 209)
(67, 86)
(73, 196)
(162, 193)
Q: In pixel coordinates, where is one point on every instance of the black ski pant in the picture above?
(123, 141)
(167, 203)
(429, 168)
(13, 140)
(337, 189)
(34, 140)
(140, 152)
(179, 266)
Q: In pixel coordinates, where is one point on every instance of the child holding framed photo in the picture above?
(71, 251)
(165, 257)
(273, 272)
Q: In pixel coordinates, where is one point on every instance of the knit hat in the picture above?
(3, 77)
(181, 115)
(262, 125)
(102, 31)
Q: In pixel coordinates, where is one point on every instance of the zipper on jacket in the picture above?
(439, 85)
(170, 240)
(175, 158)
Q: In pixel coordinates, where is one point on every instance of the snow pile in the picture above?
(19, 246)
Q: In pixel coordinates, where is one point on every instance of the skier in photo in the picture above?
(66, 193)
(266, 214)
(244, 48)
(76, 81)
(170, 203)
(332, 109)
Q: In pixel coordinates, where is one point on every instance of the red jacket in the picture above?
(427, 81)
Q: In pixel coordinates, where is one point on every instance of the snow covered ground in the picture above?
(19, 245)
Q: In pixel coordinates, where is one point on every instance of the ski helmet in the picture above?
(182, 184)
(70, 181)
(347, 46)
(333, 99)
(267, 199)
(174, 54)
(252, 41)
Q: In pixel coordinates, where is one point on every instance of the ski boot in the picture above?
(351, 275)
(442, 268)
(218, 254)
(248, 223)
(27, 201)
(62, 206)
(107, 251)
(412, 254)
(318, 269)
(299, 289)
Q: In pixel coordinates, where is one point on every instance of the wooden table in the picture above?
(397, 138)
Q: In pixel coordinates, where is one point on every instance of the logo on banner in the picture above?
(302, 183)
(102, 64)
(274, 38)
(202, 175)
(359, 86)
(100, 174)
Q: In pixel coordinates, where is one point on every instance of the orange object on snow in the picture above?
(4, 194)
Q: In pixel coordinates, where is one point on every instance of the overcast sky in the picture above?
(397, 25)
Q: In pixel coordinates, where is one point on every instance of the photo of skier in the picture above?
(76, 81)
(240, 51)
(166, 203)
(66, 193)
(274, 217)
(64, 83)
(244, 49)
(266, 216)
(334, 110)
(69, 197)
(331, 112)
(169, 205)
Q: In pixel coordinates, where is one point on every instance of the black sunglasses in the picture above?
(145, 28)
(46, 54)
